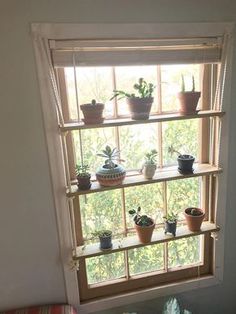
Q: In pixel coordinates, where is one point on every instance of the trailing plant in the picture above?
(140, 220)
(110, 156)
(142, 90)
(171, 217)
(183, 84)
(150, 158)
(82, 171)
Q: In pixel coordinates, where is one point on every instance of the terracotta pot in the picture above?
(110, 177)
(139, 107)
(188, 102)
(93, 114)
(145, 233)
(148, 171)
(194, 222)
(84, 182)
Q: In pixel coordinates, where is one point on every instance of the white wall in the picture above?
(30, 270)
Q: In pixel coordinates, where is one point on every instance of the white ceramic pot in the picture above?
(148, 171)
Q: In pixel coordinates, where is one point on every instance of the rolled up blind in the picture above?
(136, 52)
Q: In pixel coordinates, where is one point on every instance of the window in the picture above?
(91, 69)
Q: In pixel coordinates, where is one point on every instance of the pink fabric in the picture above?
(48, 309)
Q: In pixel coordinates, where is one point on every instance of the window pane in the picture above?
(183, 135)
(182, 194)
(101, 211)
(93, 142)
(92, 83)
(127, 76)
(149, 197)
(171, 83)
(146, 259)
(184, 252)
(134, 143)
(106, 267)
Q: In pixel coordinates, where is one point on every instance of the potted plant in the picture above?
(111, 173)
(149, 166)
(144, 225)
(171, 223)
(83, 177)
(140, 103)
(188, 100)
(194, 217)
(185, 161)
(93, 112)
(105, 238)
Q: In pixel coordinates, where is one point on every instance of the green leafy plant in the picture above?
(142, 90)
(150, 158)
(82, 171)
(183, 84)
(171, 217)
(102, 233)
(140, 220)
(110, 156)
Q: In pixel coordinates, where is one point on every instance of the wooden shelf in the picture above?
(164, 174)
(132, 242)
(152, 119)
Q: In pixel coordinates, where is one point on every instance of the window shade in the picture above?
(136, 52)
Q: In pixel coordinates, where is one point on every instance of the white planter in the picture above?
(148, 170)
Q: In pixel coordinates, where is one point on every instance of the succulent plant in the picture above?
(171, 217)
(144, 90)
(140, 220)
(150, 158)
(82, 171)
(110, 156)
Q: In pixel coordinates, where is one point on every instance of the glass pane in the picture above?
(149, 197)
(95, 83)
(101, 211)
(127, 76)
(171, 83)
(105, 267)
(94, 141)
(182, 194)
(183, 135)
(146, 259)
(184, 252)
(71, 93)
(136, 141)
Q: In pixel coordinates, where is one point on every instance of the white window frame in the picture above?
(127, 31)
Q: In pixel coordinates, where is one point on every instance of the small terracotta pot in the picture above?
(139, 107)
(84, 182)
(148, 171)
(188, 102)
(194, 222)
(93, 114)
(145, 233)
